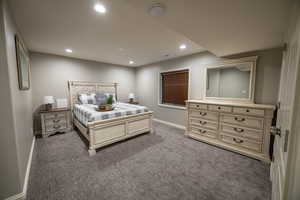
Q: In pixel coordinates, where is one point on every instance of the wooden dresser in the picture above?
(243, 128)
(55, 120)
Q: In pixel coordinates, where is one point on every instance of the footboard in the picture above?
(105, 132)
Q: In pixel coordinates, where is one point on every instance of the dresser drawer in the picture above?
(248, 111)
(203, 123)
(204, 114)
(242, 142)
(55, 115)
(198, 106)
(203, 132)
(56, 127)
(220, 108)
(253, 134)
(55, 120)
(252, 122)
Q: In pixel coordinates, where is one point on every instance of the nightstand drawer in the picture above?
(56, 127)
(55, 121)
(55, 115)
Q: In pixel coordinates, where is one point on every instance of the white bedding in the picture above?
(87, 112)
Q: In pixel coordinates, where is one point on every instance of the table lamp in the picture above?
(131, 97)
(48, 101)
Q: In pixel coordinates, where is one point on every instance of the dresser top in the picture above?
(55, 110)
(237, 104)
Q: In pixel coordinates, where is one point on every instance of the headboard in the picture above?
(85, 87)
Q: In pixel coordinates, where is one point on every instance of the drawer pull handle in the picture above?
(56, 126)
(203, 114)
(56, 120)
(239, 119)
(239, 130)
(197, 105)
(202, 131)
(247, 110)
(238, 140)
(203, 123)
(219, 107)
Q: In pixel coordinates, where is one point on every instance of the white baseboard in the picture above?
(22, 195)
(170, 124)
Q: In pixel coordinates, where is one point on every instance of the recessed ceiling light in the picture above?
(100, 8)
(69, 50)
(131, 62)
(183, 46)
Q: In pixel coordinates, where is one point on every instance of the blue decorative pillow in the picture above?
(101, 99)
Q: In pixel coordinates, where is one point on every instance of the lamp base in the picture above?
(48, 107)
(131, 100)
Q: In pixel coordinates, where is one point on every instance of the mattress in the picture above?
(86, 113)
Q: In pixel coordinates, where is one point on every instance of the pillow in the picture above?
(111, 94)
(87, 98)
(101, 98)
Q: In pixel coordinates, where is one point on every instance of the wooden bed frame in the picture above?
(104, 132)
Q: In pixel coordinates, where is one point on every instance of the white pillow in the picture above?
(87, 98)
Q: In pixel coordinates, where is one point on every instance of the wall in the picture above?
(18, 109)
(266, 90)
(9, 172)
(50, 74)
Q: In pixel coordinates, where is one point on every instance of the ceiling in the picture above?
(127, 32)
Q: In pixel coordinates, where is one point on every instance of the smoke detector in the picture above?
(156, 9)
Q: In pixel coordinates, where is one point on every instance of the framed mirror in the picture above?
(232, 80)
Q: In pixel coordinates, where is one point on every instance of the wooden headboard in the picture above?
(85, 87)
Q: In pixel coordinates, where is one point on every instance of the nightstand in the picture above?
(135, 102)
(55, 120)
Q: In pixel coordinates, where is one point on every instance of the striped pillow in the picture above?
(87, 98)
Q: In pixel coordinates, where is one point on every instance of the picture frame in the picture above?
(23, 64)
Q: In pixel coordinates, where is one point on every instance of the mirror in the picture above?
(231, 80)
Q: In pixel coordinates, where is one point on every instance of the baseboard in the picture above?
(22, 195)
(170, 124)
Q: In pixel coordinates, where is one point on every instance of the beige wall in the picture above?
(17, 116)
(9, 172)
(147, 84)
(50, 74)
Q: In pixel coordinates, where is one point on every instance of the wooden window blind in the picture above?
(175, 87)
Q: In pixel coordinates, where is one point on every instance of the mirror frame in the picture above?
(228, 63)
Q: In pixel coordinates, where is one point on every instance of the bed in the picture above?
(104, 128)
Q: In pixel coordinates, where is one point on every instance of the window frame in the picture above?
(175, 106)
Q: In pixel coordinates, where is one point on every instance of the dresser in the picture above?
(242, 128)
(55, 120)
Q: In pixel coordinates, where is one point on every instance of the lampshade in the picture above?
(48, 99)
(131, 96)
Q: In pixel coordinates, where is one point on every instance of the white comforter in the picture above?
(87, 112)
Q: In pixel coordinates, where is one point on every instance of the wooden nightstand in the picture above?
(135, 102)
(55, 120)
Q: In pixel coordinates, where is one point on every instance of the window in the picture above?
(174, 87)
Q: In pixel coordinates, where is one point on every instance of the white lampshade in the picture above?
(48, 99)
(131, 96)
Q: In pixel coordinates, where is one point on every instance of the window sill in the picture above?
(172, 106)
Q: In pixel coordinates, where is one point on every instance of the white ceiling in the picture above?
(126, 32)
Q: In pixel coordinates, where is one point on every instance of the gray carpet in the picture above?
(160, 166)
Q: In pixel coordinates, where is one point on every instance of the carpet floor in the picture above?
(160, 166)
